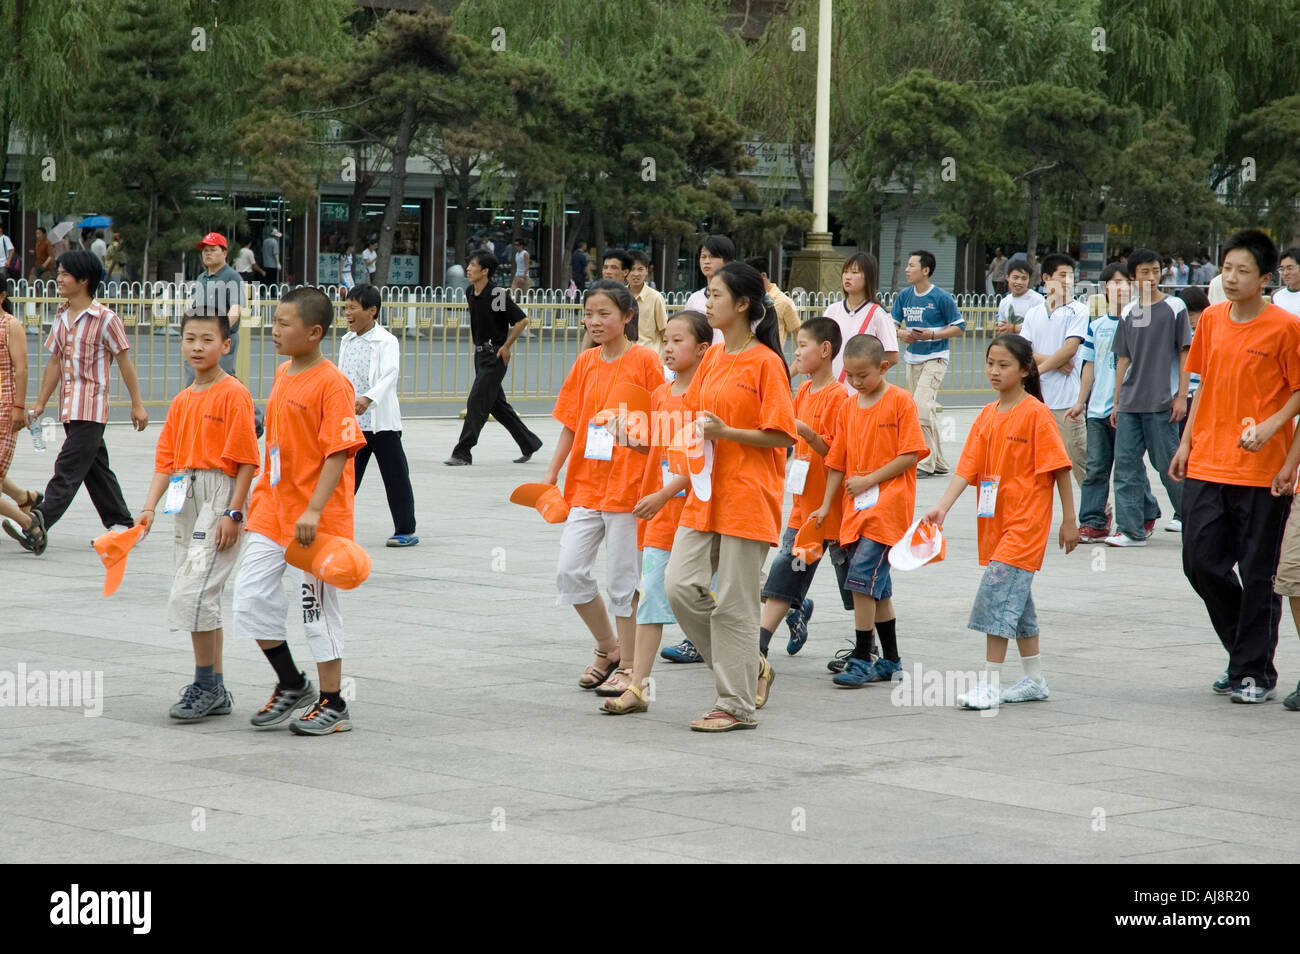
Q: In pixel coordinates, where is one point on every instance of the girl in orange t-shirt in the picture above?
(1013, 454)
(687, 336)
(603, 480)
(733, 515)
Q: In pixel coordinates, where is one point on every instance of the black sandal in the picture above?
(36, 534)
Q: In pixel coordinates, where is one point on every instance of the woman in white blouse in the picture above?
(370, 357)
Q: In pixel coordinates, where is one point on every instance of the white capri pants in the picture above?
(200, 569)
(261, 602)
(583, 532)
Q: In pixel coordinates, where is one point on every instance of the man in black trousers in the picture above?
(495, 323)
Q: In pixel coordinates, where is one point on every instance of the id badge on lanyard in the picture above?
(867, 498)
(669, 477)
(274, 475)
(600, 443)
(177, 490)
(988, 501)
(798, 475)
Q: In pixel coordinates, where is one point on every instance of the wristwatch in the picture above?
(235, 515)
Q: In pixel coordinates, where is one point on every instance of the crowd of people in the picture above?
(688, 501)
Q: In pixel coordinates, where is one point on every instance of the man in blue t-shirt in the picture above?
(927, 317)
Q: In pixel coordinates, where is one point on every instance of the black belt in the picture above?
(486, 347)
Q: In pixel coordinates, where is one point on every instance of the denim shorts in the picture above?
(869, 570)
(788, 580)
(1004, 606)
(653, 607)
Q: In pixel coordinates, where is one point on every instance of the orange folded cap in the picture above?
(336, 560)
(808, 542)
(545, 498)
(112, 548)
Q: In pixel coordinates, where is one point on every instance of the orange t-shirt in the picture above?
(750, 391)
(666, 418)
(208, 430)
(866, 439)
(309, 416)
(610, 485)
(1248, 371)
(819, 411)
(1023, 449)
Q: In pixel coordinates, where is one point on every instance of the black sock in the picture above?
(764, 640)
(286, 672)
(888, 639)
(332, 700)
(863, 648)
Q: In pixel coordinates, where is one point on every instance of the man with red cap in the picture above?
(218, 286)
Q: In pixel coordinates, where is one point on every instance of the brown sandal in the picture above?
(617, 683)
(593, 677)
(720, 721)
(32, 500)
(622, 706)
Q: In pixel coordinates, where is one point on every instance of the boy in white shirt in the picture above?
(1289, 271)
(1015, 305)
(1055, 330)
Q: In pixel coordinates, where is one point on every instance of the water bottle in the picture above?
(38, 439)
(47, 429)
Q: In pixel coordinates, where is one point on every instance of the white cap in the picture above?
(922, 543)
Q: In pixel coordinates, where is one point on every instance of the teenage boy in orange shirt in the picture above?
(205, 462)
(312, 435)
(1247, 353)
(878, 442)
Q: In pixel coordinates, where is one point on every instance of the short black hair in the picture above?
(1258, 244)
(313, 306)
(1019, 264)
(1292, 253)
(1194, 298)
(83, 265)
(1113, 269)
(1054, 260)
(719, 246)
(824, 329)
(624, 259)
(367, 296)
(758, 263)
(639, 257)
(1142, 256)
(927, 260)
(200, 313)
(865, 346)
(485, 260)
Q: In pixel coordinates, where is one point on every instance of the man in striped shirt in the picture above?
(86, 338)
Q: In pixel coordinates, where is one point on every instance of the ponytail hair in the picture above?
(1023, 352)
(698, 324)
(745, 282)
(623, 300)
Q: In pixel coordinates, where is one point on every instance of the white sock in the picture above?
(993, 673)
(1033, 667)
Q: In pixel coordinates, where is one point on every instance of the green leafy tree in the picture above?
(919, 137)
(1161, 187)
(1266, 166)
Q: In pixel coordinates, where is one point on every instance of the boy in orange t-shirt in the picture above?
(312, 434)
(816, 408)
(1234, 447)
(205, 462)
(878, 442)
(602, 483)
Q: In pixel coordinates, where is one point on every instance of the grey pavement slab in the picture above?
(472, 741)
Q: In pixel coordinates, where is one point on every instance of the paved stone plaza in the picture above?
(473, 742)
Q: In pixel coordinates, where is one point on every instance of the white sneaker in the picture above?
(1026, 690)
(1174, 526)
(983, 696)
(1118, 539)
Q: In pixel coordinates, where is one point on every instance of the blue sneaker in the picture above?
(857, 673)
(403, 540)
(797, 620)
(683, 652)
(1223, 685)
(882, 670)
